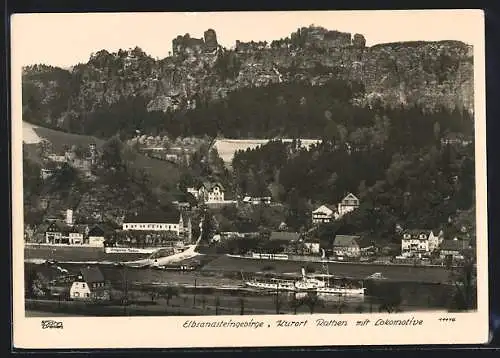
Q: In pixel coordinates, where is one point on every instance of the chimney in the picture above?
(69, 217)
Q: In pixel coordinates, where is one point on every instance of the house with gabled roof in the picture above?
(59, 232)
(453, 248)
(347, 245)
(96, 236)
(348, 204)
(420, 241)
(89, 284)
(324, 214)
(209, 192)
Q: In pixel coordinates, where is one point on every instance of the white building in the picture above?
(173, 221)
(324, 214)
(347, 205)
(96, 237)
(312, 246)
(89, 285)
(420, 242)
(208, 192)
(255, 200)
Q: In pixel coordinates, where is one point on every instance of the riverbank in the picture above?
(78, 254)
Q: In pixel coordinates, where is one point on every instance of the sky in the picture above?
(67, 39)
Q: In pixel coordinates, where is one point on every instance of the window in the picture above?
(83, 285)
(77, 294)
(87, 295)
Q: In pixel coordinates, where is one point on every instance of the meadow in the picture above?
(159, 171)
(227, 147)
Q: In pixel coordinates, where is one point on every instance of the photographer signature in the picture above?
(51, 324)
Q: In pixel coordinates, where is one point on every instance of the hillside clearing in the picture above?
(159, 171)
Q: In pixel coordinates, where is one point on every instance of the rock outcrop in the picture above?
(429, 74)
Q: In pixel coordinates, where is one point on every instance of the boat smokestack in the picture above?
(69, 217)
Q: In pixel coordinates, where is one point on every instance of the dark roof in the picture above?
(210, 186)
(96, 231)
(172, 216)
(60, 226)
(417, 232)
(82, 229)
(346, 240)
(92, 274)
(453, 245)
(284, 236)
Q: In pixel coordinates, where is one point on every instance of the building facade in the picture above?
(347, 245)
(420, 242)
(89, 284)
(175, 221)
(347, 205)
(208, 192)
(323, 214)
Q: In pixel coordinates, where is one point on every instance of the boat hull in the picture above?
(340, 291)
(269, 286)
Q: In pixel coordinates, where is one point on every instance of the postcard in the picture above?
(249, 179)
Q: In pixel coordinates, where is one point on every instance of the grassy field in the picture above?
(160, 171)
(227, 147)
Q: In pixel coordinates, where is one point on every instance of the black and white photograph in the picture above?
(250, 171)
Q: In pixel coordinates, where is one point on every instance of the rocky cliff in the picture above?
(429, 74)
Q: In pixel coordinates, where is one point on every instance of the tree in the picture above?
(112, 154)
(464, 294)
(311, 300)
(169, 293)
(217, 305)
(294, 303)
(242, 305)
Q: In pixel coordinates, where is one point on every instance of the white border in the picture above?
(167, 332)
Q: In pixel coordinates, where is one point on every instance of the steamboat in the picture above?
(323, 284)
(319, 284)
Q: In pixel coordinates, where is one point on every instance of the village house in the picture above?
(46, 173)
(257, 200)
(324, 214)
(59, 232)
(347, 245)
(348, 204)
(174, 221)
(420, 242)
(453, 248)
(208, 192)
(312, 246)
(89, 284)
(96, 236)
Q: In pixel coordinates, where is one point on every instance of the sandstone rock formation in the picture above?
(426, 73)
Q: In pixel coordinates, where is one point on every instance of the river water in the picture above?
(229, 288)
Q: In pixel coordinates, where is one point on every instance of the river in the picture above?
(410, 296)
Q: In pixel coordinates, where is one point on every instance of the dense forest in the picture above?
(296, 110)
(396, 160)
